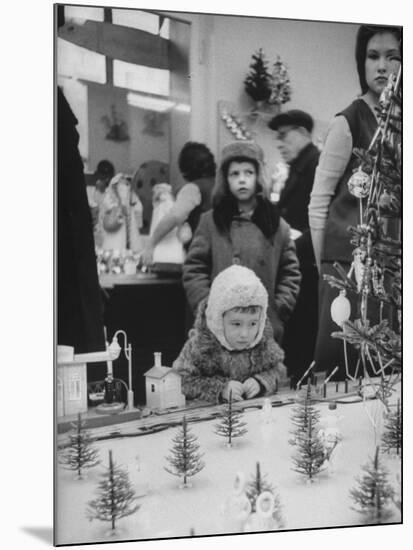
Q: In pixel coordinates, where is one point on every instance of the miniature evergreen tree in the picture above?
(80, 453)
(302, 411)
(374, 494)
(392, 437)
(310, 453)
(231, 424)
(257, 485)
(116, 497)
(185, 459)
(257, 81)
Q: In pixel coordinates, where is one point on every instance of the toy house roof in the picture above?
(160, 372)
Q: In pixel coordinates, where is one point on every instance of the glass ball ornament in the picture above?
(359, 184)
(340, 309)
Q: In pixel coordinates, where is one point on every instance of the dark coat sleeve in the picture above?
(196, 276)
(79, 300)
(288, 278)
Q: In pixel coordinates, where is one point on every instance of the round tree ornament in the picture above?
(359, 184)
(340, 309)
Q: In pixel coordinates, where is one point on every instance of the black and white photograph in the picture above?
(225, 277)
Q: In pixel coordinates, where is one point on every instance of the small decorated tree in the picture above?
(303, 410)
(280, 85)
(257, 80)
(185, 458)
(231, 424)
(373, 495)
(392, 437)
(257, 485)
(310, 454)
(79, 454)
(116, 498)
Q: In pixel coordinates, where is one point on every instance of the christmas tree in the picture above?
(374, 494)
(377, 247)
(231, 424)
(185, 459)
(257, 485)
(116, 497)
(80, 453)
(392, 437)
(257, 81)
(279, 84)
(302, 411)
(310, 454)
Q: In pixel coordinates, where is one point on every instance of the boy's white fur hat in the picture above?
(236, 286)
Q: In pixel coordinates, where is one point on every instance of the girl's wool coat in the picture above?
(273, 260)
(206, 366)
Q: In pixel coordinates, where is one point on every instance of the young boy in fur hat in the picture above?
(231, 347)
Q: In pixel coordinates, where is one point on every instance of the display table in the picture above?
(151, 310)
(166, 510)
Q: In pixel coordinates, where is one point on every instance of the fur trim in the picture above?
(236, 286)
(211, 359)
(248, 149)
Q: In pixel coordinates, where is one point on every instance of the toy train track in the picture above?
(159, 421)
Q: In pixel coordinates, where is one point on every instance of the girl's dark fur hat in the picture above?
(237, 150)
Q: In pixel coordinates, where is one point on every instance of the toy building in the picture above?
(71, 379)
(163, 386)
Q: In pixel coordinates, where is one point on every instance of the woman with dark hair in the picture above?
(332, 207)
(197, 165)
(244, 228)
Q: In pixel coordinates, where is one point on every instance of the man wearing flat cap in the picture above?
(294, 141)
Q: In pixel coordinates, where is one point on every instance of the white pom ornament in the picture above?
(340, 309)
(359, 184)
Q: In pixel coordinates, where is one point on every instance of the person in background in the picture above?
(231, 348)
(332, 207)
(244, 228)
(197, 165)
(294, 139)
(104, 173)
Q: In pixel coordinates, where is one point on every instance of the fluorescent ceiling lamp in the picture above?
(143, 79)
(150, 103)
(182, 107)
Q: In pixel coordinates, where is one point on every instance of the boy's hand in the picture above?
(251, 388)
(237, 390)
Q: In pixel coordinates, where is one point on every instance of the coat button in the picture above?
(236, 260)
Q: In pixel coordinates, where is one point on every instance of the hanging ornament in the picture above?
(387, 93)
(340, 309)
(359, 184)
(359, 268)
(378, 281)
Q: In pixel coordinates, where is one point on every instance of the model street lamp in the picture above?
(114, 351)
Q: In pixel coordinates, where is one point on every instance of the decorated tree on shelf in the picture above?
(392, 436)
(303, 410)
(257, 81)
(231, 424)
(116, 498)
(80, 453)
(375, 275)
(258, 485)
(280, 85)
(185, 458)
(373, 495)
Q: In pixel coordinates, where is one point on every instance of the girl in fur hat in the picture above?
(244, 228)
(231, 347)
